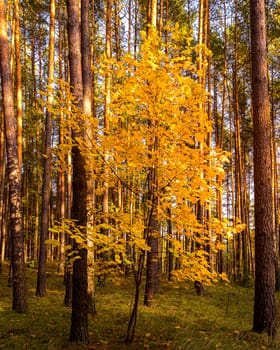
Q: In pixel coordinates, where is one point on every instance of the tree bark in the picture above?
(18, 82)
(3, 192)
(79, 318)
(14, 174)
(108, 55)
(46, 194)
(152, 275)
(264, 303)
(153, 236)
(88, 111)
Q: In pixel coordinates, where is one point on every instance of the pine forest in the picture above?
(139, 161)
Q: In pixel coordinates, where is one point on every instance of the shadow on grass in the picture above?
(178, 320)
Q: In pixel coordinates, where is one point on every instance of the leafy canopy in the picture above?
(157, 121)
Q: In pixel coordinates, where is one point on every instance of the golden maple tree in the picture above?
(157, 123)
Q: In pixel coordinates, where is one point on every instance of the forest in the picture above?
(139, 151)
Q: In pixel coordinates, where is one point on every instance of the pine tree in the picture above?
(264, 302)
(14, 173)
(79, 318)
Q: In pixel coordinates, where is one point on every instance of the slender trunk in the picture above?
(170, 255)
(133, 316)
(87, 110)
(275, 182)
(61, 174)
(129, 26)
(237, 148)
(152, 236)
(152, 275)
(108, 54)
(3, 208)
(41, 278)
(18, 83)
(117, 29)
(68, 298)
(14, 174)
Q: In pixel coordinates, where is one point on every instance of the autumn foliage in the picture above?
(157, 121)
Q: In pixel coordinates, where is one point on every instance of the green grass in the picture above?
(220, 320)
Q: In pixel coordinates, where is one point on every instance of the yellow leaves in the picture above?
(200, 137)
(100, 190)
(53, 242)
(239, 227)
(194, 266)
(156, 121)
(220, 246)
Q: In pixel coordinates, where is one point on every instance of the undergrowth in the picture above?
(219, 320)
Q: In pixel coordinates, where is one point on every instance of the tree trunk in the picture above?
(3, 191)
(41, 277)
(18, 83)
(108, 55)
(87, 110)
(61, 207)
(264, 302)
(152, 275)
(79, 319)
(152, 272)
(14, 173)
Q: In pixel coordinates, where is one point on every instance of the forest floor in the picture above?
(219, 320)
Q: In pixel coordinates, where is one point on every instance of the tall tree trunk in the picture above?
(18, 83)
(65, 179)
(79, 319)
(203, 39)
(117, 29)
(129, 26)
(152, 272)
(61, 212)
(108, 55)
(239, 210)
(87, 110)
(14, 174)
(41, 277)
(3, 208)
(152, 275)
(152, 15)
(264, 302)
(275, 184)
(170, 255)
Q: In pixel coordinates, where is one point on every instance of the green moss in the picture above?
(222, 319)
